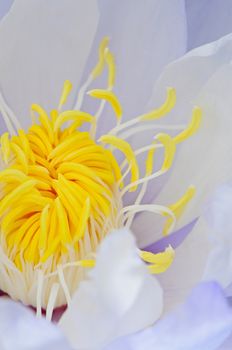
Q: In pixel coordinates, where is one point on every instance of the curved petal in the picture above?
(207, 20)
(203, 322)
(43, 44)
(21, 330)
(145, 36)
(202, 77)
(120, 297)
(218, 218)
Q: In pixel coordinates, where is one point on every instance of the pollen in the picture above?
(62, 189)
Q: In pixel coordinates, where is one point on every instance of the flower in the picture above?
(71, 190)
(89, 290)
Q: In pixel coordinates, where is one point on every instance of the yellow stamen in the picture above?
(43, 227)
(192, 128)
(5, 146)
(65, 92)
(159, 262)
(169, 149)
(77, 116)
(44, 120)
(150, 161)
(178, 207)
(100, 65)
(84, 216)
(164, 109)
(109, 58)
(124, 147)
(110, 97)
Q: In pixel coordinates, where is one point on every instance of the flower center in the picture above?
(59, 184)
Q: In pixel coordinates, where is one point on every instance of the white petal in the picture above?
(202, 77)
(43, 43)
(218, 218)
(207, 20)
(118, 298)
(21, 330)
(187, 268)
(145, 36)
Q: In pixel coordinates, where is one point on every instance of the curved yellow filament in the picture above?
(124, 147)
(110, 97)
(164, 109)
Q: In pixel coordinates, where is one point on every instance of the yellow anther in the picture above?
(20, 156)
(179, 207)
(54, 114)
(63, 228)
(69, 202)
(65, 92)
(32, 254)
(84, 216)
(44, 141)
(67, 145)
(77, 116)
(16, 195)
(25, 241)
(149, 161)
(87, 263)
(51, 249)
(5, 147)
(111, 68)
(110, 97)
(9, 175)
(164, 109)
(43, 117)
(44, 226)
(160, 262)
(115, 166)
(100, 65)
(169, 150)
(124, 147)
(192, 127)
(26, 146)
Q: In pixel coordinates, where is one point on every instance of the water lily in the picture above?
(69, 200)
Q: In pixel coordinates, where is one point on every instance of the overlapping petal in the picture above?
(219, 229)
(21, 330)
(43, 44)
(202, 77)
(203, 322)
(207, 20)
(118, 298)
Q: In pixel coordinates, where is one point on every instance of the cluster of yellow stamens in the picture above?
(62, 191)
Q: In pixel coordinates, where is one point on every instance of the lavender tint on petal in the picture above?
(204, 322)
(4, 7)
(174, 239)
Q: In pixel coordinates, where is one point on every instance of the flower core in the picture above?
(62, 191)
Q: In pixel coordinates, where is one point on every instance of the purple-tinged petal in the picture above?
(4, 7)
(219, 229)
(202, 323)
(21, 330)
(175, 239)
(204, 28)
